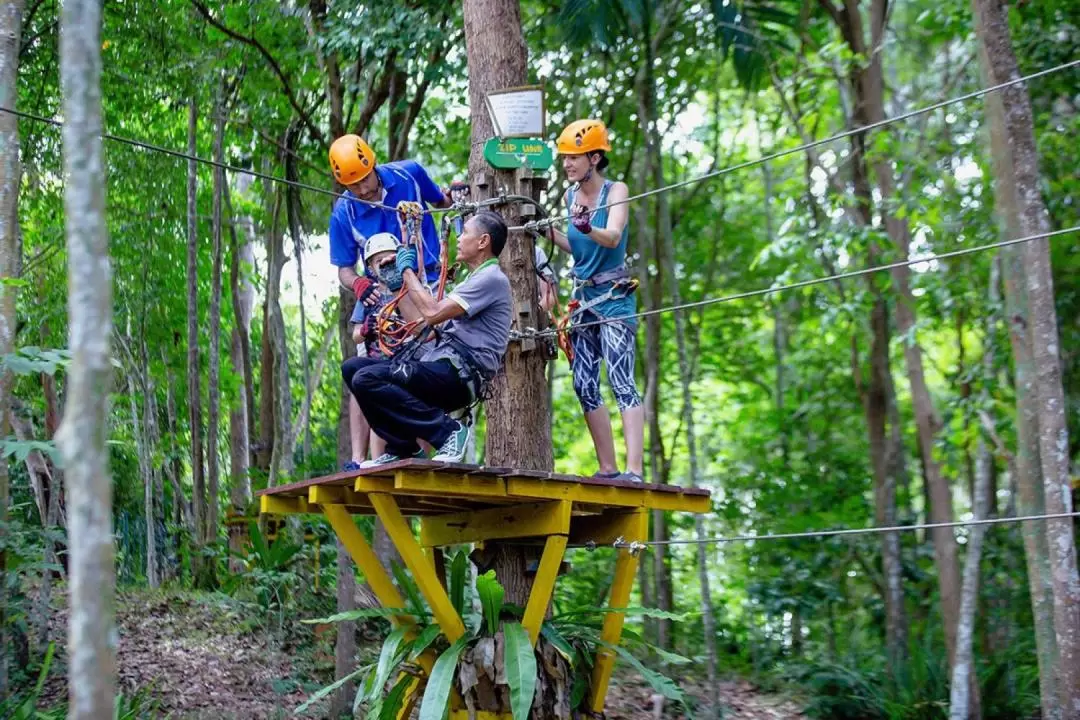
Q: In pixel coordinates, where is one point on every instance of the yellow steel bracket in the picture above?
(421, 566)
(381, 585)
(544, 585)
(634, 527)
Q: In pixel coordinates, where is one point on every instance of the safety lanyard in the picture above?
(486, 263)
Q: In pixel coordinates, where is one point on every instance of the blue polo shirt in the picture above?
(352, 222)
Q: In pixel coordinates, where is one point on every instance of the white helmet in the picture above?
(380, 243)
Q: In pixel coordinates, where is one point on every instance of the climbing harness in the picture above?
(390, 328)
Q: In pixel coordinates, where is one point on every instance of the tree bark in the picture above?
(652, 148)
(213, 417)
(345, 644)
(651, 279)
(292, 211)
(83, 432)
(11, 13)
(198, 488)
(992, 30)
(868, 85)
(964, 668)
(280, 460)
(242, 294)
(1027, 469)
(518, 434)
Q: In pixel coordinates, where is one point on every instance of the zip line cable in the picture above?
(813, 281)
(213, 163)
(637, 545)
(707, 176)
(825, 141)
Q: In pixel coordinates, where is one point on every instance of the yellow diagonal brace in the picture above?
(636, 528)
(543, 585)
(421, 567)
(499, 523)
(362, 554)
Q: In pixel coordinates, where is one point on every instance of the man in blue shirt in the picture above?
(370, 189)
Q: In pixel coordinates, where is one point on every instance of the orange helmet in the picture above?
(583, 136)
(351, 159)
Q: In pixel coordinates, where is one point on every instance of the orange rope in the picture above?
(391, 330)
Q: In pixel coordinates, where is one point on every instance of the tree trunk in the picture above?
(198, 489)
(83, 432)
(868, 84)
(214, 361)
(518, 434)
(292, 211)
(664, 218)
(143, 453)
(242, 294)
(280, 460)
(993, 33)
(964, 668)
(1027, 470)
(152, 488)
(345, 645)
(651, 278)
(11, 12)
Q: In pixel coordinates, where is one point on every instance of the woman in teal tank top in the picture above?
(597, 239)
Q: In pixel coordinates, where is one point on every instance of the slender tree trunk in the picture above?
(964, 668)
(11, 13)
(345, 645)
(142, 452)
(213, 418)
(83, 433)
(1027, 470)
(870, 108)
(198, 486)
(152, 487)
(686, 381)
(652, 288)
(993, 32)
(242, 294)
(292, 211)
(280, 460)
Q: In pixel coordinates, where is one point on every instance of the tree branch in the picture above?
(376, 96)
(313, 129)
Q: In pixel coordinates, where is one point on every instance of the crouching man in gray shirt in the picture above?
(406, 398)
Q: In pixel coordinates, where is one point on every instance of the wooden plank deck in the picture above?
(425, 488)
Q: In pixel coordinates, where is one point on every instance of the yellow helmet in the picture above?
(583, 136)
(351, 159)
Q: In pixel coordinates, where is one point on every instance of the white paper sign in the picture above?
(517, 112)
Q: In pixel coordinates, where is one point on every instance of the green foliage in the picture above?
(491, 594)
(520, 669)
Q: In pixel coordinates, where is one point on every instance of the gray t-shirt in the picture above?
(485, 326)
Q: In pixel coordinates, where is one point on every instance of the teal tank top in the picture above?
(591, 258)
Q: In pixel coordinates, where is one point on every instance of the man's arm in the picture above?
(347, 276)
(611, 235)
(434, 312)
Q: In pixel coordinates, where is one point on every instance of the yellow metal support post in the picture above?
(421, 566)
(543, 586)
(365, 557)
(636, 529)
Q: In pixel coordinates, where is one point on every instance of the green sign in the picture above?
(513, 153)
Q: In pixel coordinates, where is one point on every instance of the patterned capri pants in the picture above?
(612, 342)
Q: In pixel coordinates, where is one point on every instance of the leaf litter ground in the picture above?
(202, 657)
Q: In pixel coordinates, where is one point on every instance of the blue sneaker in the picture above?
(350, 466)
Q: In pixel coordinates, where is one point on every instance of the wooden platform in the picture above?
(464, 504)
(432, 489)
